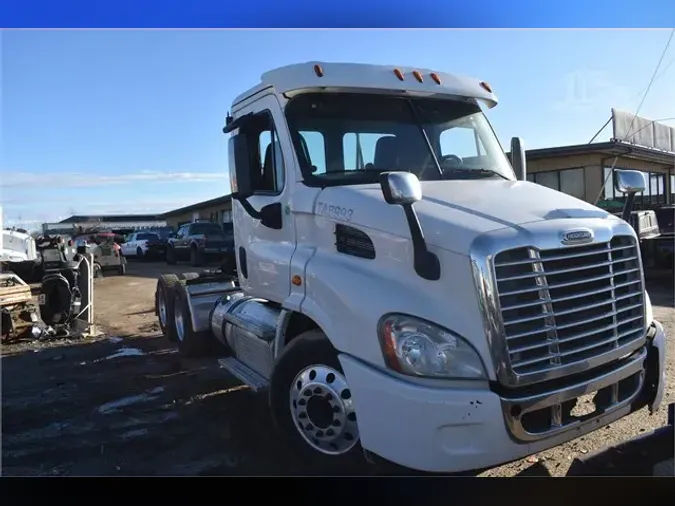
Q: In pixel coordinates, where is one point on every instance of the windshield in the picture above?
(351, 138)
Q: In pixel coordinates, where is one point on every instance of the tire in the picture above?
(164, 304)
(98, 272)
(122, 269)
(190, 343)
(196, 257)
(170, 256)
(139, 254)
(312, 353)
(186, 276)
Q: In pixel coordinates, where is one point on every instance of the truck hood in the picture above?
(10, 255)
(454, 213)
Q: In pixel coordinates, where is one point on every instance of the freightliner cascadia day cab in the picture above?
(401, 291)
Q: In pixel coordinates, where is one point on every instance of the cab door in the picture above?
(264, 254)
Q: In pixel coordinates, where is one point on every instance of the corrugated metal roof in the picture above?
(225, 199)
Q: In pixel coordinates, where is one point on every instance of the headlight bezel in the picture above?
(391, 347)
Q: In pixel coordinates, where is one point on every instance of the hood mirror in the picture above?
(401, 188)
(404, 189)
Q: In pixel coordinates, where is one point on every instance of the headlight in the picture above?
(649, 313)
(419, 348)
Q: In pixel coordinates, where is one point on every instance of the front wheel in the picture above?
(312, 405)
(139, 253)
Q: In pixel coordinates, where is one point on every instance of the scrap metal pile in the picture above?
(20, 317)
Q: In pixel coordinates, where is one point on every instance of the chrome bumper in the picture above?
(541, 412)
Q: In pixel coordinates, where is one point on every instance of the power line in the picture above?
(601, 129)
(630, 126)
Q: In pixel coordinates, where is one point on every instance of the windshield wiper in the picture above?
(479, 173)
(420, 126)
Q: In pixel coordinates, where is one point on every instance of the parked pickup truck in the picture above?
(148, 244)
(654, 229)
(402, 293)
(199, 242)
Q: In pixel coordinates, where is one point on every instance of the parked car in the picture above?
(146, 244)
(199, 242)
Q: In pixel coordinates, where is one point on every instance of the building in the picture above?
(218, 210)
(581, 171)
(119, 223)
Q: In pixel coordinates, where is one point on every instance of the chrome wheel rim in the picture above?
(180, 325)
(323, 411)
(162, 309)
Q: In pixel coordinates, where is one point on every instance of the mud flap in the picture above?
(656, 365)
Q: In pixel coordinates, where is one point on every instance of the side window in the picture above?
(462, 142)
(266, 156)
(182, 232)
(315, 151)
(132, 237)
(359, 149)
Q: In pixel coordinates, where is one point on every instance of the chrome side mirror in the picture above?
(629, 181)
(518, 161)
(400, 188)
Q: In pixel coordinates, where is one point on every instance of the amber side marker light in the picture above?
(318, 70)
(485, 86)
(297, 280)
(399, 74)
(418, 76)
(435, 77)
(389, 348)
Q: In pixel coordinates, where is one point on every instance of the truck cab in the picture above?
(402, 290)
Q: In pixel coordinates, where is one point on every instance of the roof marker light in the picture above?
(485, 86)
(435, 77)
(318, 70)
(418, 76)
(399, 74)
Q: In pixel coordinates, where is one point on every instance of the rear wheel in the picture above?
(190, 342)
(311, 403)
(170, 256)
(122, 269)
(164, 304)
(196, 257)
(98, 272)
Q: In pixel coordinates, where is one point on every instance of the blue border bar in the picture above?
(338, 14)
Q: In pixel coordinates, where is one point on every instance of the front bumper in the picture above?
(460, 427)
(217, 250)
(155, 249)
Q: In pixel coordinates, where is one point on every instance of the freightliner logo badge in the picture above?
(578, 236)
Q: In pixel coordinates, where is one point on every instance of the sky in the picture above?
(119, 121)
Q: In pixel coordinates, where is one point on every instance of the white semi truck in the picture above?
(401, 291)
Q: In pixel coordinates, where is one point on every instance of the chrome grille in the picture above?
(563, 306)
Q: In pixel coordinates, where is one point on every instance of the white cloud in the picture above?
(82, 179)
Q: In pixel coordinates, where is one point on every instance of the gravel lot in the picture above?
(127, 404)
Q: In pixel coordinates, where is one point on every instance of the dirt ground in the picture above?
(126, 404)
